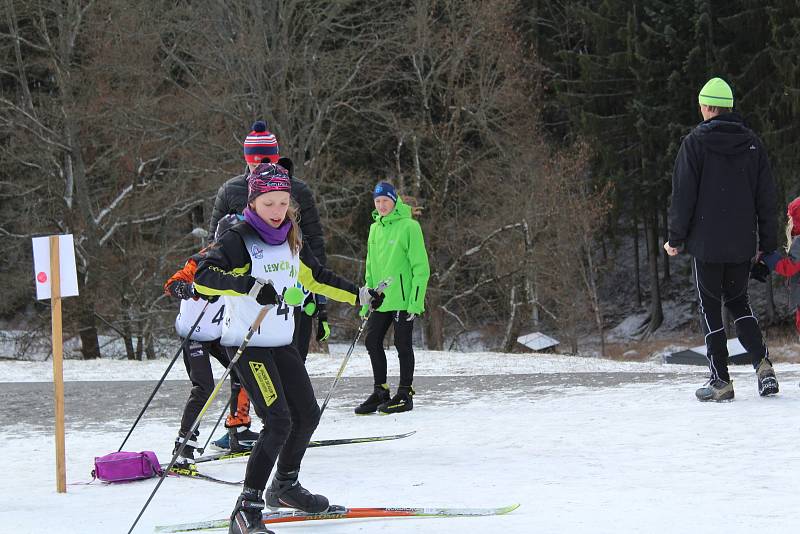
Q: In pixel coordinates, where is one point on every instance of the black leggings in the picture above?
(280, 390)
(377, 326)
(726, 283)
(303, 324)
(198, 366)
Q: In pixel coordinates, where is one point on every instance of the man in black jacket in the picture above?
(261, 145)
(723, 213)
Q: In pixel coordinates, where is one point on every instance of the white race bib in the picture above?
(210, 326)
(268, 262)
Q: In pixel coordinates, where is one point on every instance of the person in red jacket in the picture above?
(789, 267)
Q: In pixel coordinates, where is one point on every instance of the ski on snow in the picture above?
(225, 455)
(340, 512)
(192, 472)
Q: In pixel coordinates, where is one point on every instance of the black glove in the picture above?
(370, 297)
(323, 328)
(263, 292)
(181, 290)
(759, 271)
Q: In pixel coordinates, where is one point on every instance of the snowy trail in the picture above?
(610, 455)
(428, 363)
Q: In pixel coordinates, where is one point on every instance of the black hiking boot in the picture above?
(379, 395)
(767, 383)
(246, 516)
(401, 402)
(286, 492)
(715, 390)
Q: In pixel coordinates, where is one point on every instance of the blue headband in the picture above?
(385, 189)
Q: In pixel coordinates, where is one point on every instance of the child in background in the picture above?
(789, 267)
(396, 252)
(203, 342)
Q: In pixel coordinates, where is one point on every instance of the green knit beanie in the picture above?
(716, 92)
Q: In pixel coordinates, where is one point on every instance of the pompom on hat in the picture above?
(261, 145)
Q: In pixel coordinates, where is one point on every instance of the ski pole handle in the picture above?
(384, 284)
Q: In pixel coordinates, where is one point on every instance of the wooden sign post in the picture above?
(56, 277)
(58, 363)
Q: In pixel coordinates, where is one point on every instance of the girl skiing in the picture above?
(252, 265)
(396, 251)
(204, 341)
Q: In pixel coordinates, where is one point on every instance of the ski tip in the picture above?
(507, 509)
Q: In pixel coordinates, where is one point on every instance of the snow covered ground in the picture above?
(584, 445)
(428, 363)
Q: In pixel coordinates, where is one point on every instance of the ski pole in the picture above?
(164, 376)
(292, 298)
(383, 285)
(219, 420)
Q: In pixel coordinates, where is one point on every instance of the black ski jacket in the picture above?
(723, 206)
(232, 198)
(224, 268)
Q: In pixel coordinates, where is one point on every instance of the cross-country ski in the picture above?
(341, 512)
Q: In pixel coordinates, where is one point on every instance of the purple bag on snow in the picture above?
(123, 466)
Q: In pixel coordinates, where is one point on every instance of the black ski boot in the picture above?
(286, 492)
(379, 395)
(767, 383)
(401, 402)
(186, 459)
(241, 440)
(715, 390)
(246, 516)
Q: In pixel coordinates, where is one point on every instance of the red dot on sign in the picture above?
(42, 277)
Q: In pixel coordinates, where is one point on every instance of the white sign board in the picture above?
(734, 347)
(41, 266)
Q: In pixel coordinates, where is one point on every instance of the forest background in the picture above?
(536, 139)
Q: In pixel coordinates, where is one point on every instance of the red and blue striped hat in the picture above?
(260, 145)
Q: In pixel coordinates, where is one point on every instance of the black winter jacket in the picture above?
(232, 198)
(723, 195)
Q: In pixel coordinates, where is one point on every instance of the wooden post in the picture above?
(58, 365)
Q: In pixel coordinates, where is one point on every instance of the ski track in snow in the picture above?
(633, 457)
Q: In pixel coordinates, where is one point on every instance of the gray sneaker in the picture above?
(767, 383)
(715, 390)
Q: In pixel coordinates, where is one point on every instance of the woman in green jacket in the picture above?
(396, 252)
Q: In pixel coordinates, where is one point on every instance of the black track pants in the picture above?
(281, 392)
(303, 324)
(726, 283)
(198, 366)
(377, 326)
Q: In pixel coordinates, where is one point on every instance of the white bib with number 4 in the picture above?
(210, 326)
(268, 262)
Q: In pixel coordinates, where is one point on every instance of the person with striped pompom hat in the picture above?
(261, 146)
